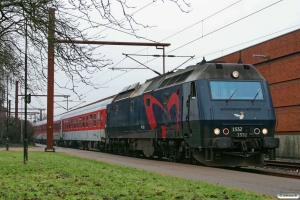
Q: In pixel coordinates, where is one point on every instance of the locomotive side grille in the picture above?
(219, 66)
(246, 67)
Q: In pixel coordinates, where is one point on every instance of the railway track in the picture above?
(257, 170)
(281, 164)
(270, 165)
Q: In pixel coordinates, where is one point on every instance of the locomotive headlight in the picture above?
(235, 74)
(217, 131)
(264, 131)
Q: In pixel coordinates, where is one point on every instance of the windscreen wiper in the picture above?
(231, 96)
(256, 95)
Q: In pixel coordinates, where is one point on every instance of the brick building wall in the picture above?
(282, 70)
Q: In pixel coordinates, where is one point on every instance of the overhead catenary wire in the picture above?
(225, 26)
(196, 38)
(219, 11)
(247, 42)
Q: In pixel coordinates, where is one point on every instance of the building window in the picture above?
(166, 98)
(131, 106)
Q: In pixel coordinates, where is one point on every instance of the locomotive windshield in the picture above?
(236, 90)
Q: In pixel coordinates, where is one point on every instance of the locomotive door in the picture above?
(185, 107)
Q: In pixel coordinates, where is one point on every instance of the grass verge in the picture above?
(60, 176)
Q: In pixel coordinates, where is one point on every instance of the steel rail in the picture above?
(282, 164)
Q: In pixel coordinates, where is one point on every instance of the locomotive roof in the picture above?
(191, 73)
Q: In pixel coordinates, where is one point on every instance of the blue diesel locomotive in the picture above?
(219, 114)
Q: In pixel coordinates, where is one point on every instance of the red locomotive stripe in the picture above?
(173, 100)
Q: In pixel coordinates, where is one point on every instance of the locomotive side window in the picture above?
(95, 119)
(131, 106)
(193, 90)
(87, 121)
(166, 98)
(148, 102)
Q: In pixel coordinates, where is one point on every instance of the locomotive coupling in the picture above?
(271, 143)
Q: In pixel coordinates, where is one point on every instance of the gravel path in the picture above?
(263, 184)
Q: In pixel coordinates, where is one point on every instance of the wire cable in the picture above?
(224, 26)
(199, 37)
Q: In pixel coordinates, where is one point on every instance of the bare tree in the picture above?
(72, 59)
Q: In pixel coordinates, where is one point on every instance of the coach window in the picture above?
(79, 119)
(166, 98)
(131, 106)
(83, 122)
(98, 118)
(193, 90)
(95, 119)
(87, 121)
(91, 120)
(148, 102)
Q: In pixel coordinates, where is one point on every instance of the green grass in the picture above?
(60, 176)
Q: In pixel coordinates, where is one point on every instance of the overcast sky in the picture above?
(195, 35)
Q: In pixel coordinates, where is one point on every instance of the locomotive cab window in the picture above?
(236, 90)
(148, 102)
(166, 98)
(193, 90)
